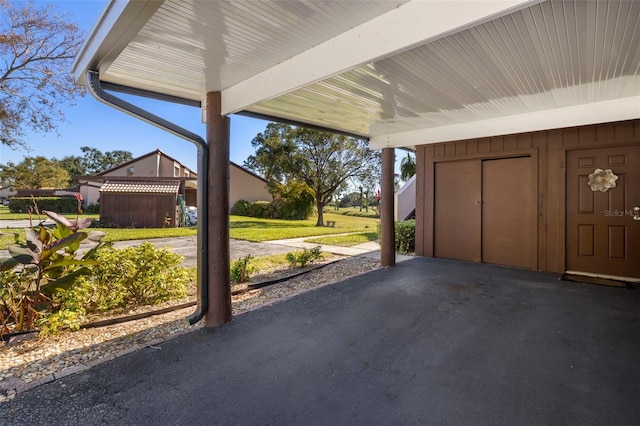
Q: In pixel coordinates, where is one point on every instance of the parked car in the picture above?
(192, 214)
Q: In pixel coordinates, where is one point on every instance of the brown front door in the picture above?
(602, 235)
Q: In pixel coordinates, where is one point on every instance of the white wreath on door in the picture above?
(602, 180)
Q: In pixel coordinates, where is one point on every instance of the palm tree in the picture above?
(407, 167)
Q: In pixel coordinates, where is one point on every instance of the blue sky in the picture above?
(90, 123)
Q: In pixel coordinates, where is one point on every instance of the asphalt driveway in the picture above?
(427, 342)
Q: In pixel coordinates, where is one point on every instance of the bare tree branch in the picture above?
(37, 47)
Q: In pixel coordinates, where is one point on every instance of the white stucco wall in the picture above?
(245, 186)
(405, 199)
(7, 192)
(90, 193)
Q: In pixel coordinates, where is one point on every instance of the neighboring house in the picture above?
(513, 108)
(245, 185)
(152, 166)
(141, 191)
(7, 191)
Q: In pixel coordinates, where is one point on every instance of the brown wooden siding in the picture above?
(548, 152)
(138, 210)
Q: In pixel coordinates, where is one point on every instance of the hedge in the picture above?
(405, 236)
(55, 204)
(289, 209)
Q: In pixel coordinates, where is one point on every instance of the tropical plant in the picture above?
(407, 167)
(42, 267)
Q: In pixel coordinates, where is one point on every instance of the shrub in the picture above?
(304, 257)
(241, 208)
(241, 271)
(261, 209)
(64, 318)
(406, 236)
(92, 209)
(57, 204)
(293, 201)
(140, 275)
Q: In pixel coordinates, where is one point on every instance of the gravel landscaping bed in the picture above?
(30, 363)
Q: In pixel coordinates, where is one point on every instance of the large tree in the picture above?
(37, 47)
(93, 161)
(324, 161)
(74, 165)
(273, 153)
(96, 161)
(33, 173)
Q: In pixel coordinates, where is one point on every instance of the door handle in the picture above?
(636, 213)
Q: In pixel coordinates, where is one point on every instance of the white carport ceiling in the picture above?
(401, 73)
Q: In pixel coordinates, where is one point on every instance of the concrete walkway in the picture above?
(430, 341)
(356, 250)
(369, 249)
(22, 223)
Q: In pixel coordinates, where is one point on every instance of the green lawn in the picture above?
(242, 228)
(253, 229)
(353, 211)
(113, 234)
(125, 234)
(5, 214)
(270, 262)
(345, 240)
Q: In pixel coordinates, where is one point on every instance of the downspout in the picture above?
(96, 90)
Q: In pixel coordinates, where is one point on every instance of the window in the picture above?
(176, 170)
(186, 173)
(130, 171)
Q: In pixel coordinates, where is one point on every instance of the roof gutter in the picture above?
(96, 90)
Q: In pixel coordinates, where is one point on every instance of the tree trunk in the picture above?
(320, 207)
